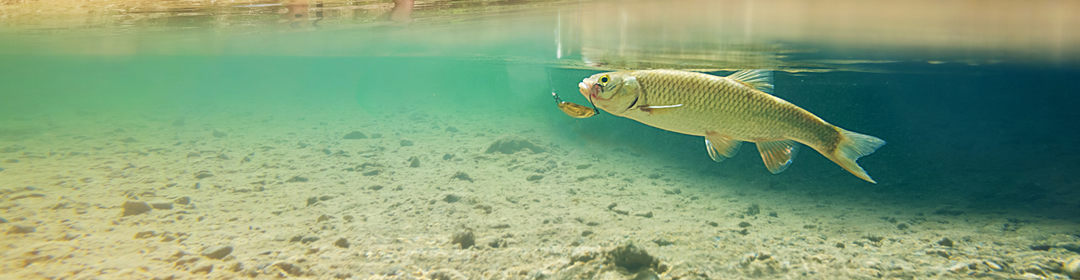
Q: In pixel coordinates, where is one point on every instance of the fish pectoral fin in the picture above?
(653, 110)
(721, 146)
(759, 79)
(778, 154)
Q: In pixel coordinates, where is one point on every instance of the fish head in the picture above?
(615, 92)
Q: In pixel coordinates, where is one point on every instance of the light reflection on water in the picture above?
(691, 34)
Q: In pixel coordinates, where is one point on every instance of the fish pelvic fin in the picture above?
(759, 79)
(852, 147)
(778, 154)
(721, 146)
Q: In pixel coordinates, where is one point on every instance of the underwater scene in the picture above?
(525, 139)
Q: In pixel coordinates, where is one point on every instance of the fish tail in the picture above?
(852, 147)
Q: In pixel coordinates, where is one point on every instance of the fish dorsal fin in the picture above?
(778, 154)
(759, 79)
(721, 146)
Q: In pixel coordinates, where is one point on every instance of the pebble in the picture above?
(631, 257)
(135, 208)
(203, 174)
(465, 238)
(462, 176)
(342, 242)
(203, 268)
(945, 242)
(1072, 268)
(511, 144)
(145, 234)
(584, 254)
(16, 229)
(355, 135)
(447, 274)
(217, 252)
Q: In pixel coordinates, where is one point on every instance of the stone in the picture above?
(754, 209)
(289, 268)
(355, 135)
(584, 254)
(631, 257)
(534, 177)
(18, 229)
(744, 224)
(203, 268)
(511, 144)
(183, 200)
(309, 239)
(219, 134)
(145, 234)
(135, 208)
(161, 205)
(465, 238)
(203, 174)
(406, 143)
(945, 242)
(414, 162)
(342, 242)
(217, 252)
(446, 274)
(1072, 268)
(462, 176)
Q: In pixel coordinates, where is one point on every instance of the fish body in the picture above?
(727, 111)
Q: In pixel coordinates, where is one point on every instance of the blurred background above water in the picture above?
(690, 34)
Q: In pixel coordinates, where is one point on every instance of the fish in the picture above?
(727, 111)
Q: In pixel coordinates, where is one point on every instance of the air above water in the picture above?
(420, 139)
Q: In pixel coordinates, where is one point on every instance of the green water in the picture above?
(104, 104)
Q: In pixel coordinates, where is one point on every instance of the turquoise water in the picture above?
(978, 114)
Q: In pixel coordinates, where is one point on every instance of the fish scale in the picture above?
(726, 111)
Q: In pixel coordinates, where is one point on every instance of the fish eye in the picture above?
(604, 80)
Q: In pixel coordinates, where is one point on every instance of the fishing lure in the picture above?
(573, 109)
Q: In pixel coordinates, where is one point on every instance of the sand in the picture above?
(273, 194)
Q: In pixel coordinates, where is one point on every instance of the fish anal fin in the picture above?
(778, 154)
(721, 146)
(759, 79)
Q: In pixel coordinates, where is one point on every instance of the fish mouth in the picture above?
(592, 91)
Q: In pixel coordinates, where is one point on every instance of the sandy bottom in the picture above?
(442, 196)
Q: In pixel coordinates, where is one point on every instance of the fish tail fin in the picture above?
(852, 147)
